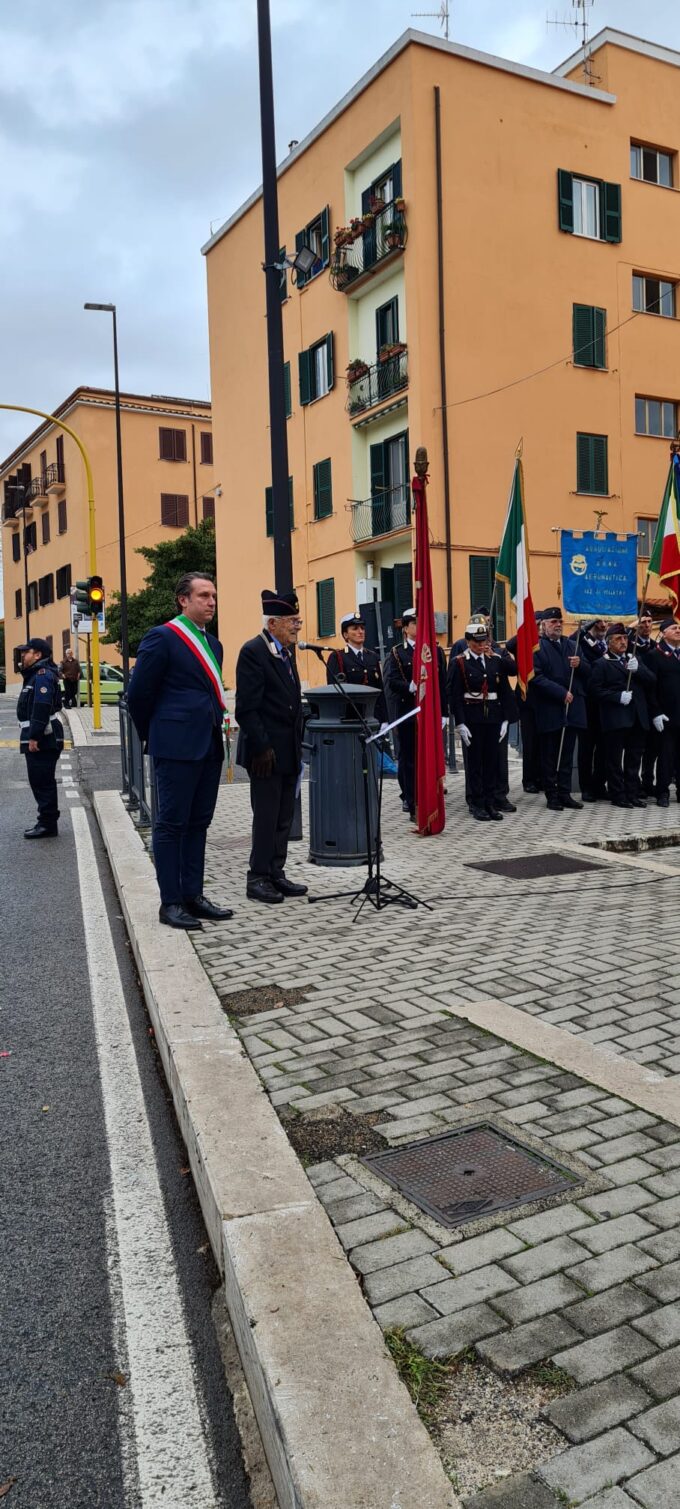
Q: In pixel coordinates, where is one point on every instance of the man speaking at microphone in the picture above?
(269, 717)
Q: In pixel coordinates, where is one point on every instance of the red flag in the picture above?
(430, 810)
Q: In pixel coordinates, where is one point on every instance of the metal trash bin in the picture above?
(337, 812)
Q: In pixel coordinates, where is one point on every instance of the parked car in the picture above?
(110, 684)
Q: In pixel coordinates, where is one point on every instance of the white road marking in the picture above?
(172, 1451)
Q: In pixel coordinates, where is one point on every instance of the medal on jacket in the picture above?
(198, 644)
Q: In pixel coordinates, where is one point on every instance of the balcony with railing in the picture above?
(385, 513)
(363, 246)
(369, 386)
(39, 488)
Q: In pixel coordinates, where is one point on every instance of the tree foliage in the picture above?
(155, 604)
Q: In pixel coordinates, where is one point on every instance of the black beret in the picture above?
(667, 623)
(280, 604)
(616, 629)
(551, 613)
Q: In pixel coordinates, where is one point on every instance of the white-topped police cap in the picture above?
(477, 629)
(352, 618)
(408, 616)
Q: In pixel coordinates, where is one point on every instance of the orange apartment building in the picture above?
(168, 480)
(504, 238)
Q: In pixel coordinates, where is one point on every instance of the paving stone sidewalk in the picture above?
(593, 1281)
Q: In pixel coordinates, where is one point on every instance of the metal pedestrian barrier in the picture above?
(139, 786)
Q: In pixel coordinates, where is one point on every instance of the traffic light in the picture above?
(95, 595)
(81, 598)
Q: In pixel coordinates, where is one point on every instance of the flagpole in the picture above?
(574, 668)
(675, 451)
(518, 457)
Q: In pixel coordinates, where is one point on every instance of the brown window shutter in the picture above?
(206, 447)
(182, 501)
(208, 508)
(180, 445)
(60, 458)
(166, 448)
(17, 603)
(46, 527)
(168, 508)
(62, 515)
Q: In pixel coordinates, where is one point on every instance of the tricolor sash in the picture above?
(199, 646)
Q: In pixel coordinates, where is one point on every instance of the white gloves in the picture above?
(632, 663)
(465, 734)
(382, 728)
(444, 722)
(413, 688)
(659, 722)
(625, 698)
(504, 729)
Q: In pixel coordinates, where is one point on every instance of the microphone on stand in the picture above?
(319, 649)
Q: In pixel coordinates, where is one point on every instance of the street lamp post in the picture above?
(19, 487)
(124, 642)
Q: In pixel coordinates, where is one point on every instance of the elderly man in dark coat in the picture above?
(558, 698)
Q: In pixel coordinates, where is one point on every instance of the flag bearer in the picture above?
(558, 698)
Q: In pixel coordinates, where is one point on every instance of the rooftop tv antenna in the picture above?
(580, 21)
(443, 16)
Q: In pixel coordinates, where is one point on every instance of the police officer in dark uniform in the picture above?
(591, 644)
(559, 702)
(41, 738)
(665, 663)
(400, 692)
(640, 643)
(269, 717)
(355, 665)
(626, 693)
(478, 690)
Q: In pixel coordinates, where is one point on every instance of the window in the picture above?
(323, 489)
(651, 165)
(396, 587)
(387, 324)
(286, 389)
(383, 189)
(482, 581)
(30, 538)
(653, 295)
(33, 597)
(315, 368)
(646, 530)
(175, 510)
(46, 590)
(49, 641)
(206, 447)
(325, 607)
(65, 640)
(588, 333)
(60, 458)
(592, 470)
(43, 463)
(172, 445)
(61, 516)
(589, 207)
(63, 581)
(46, 527)
(315, 235)
(16, 546)
(269, 508)
(656, 416)
(17, 603)
(209, 508)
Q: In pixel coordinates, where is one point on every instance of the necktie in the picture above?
(286, 660)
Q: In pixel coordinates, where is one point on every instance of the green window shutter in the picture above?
(299, 243)
(329, 359)
(600, 466)
(610, 196)
(286, 389)
(583, 335)
(403, 588)
(290, 503)
(325, 607)
(482, 576)
(565, 200)
(305, 375)
(323, 491)
(378, 482)
(584, 464)
(600, 337)
(397, 191)
(269, 511)
(325, 237)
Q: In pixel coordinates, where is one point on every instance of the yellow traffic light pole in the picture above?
(19, 408)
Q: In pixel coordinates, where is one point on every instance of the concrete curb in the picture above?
(338, 1426)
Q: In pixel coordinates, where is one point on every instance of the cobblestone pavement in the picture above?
(591, 1282)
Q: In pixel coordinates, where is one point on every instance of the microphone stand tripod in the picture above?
(377, 890)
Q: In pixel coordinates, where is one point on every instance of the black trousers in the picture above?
(556, 782)
(407, 763)
(592, 773)
(531, 753)
(272, 799)
(624, 748)
(650, 771)
(70, 693)
(502, 782)
(481, 764)
(187, 793)
(41, 772)
(669, 760)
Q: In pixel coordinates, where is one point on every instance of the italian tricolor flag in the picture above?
(512, 567)
(665, 558)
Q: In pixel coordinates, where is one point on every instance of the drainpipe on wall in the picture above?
(193, 464)
(442, 360)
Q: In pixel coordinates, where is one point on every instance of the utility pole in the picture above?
(283, 555)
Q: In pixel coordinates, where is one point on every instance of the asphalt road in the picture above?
(71, 1431)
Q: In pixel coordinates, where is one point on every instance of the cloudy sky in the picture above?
(129, 128)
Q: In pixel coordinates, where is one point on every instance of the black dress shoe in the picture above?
(404, 805)
(621, 801)
(288, 887)
(554, 804)
(199, 906)
(262, 889)
(588, 796)
(480, 814)
(505, 806)
(531, 789)
(568, 801)
(637, 801)
(664, 801)
(494, 814)
(39, 831)
(175, 916)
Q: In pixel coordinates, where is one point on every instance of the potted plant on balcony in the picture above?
(344, 236)
(376, 204)
(392, 349)
(356, 368)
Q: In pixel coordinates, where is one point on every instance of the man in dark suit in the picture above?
(559, 704)
(176, 701)
(665, 663)
(591, 645)
(269, 717)
(640, 643)
(625, 690)
(355, 665)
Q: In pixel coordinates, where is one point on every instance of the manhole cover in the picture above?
(469, 1173)
(531, 866)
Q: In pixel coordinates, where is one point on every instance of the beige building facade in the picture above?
(497, 258)
(168, 480)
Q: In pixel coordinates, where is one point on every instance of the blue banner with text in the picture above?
(599, 574)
